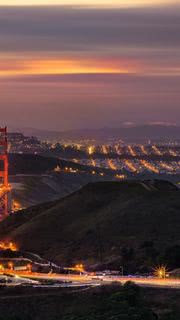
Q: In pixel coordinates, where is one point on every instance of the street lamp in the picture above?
(160, 272)
(10, 265)
(122, 270)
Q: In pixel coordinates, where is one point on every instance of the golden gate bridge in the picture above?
(5, 188)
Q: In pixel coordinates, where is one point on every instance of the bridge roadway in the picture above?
(95, 280)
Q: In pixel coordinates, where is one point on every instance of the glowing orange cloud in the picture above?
(33, 65)
(90, 3)
(62, 66)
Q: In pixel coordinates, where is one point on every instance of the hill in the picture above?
(37, 164)
(106, 223)
(132, 133)
(34, 180)
(30, 190)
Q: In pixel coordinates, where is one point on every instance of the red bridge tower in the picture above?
(5, 189)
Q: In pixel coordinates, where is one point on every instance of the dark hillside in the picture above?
(34, 181)
(104, 223)
(37, 164)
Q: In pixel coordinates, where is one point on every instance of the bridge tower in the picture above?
(5, 189)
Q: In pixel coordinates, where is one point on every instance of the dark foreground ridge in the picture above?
(114, 302)
(126, 302)
(134, 223)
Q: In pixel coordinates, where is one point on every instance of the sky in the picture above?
(70, 64)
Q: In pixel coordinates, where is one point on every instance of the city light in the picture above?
(91, 150)
(29, 267)
(1, 268)
(130, 165)
(11, 265)
(118, 149)
(78, 268)
(166, 166)
(157, 151)
(120, 176)
(101, 174)
(160, 272)
(131, 151)
(149, 166)
(57, 169)
(173, 153)
(143, 150)
(111, 165)
(93, 162)
(16, 206)
(105, 149)
(8, 246)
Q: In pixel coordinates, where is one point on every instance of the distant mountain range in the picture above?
(133, 133)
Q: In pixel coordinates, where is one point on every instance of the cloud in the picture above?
(144, 41)
(62, 29)
(28, 65)
(86, 3)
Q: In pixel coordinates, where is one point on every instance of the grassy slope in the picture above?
(94, 223)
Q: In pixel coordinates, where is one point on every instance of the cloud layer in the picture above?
(87, 3)
(125, 62)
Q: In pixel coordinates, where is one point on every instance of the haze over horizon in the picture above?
(77, 63)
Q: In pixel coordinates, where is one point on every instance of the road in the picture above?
(90, 280)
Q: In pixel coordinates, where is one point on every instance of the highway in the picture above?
(97, 280)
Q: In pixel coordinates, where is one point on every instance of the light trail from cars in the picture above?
(91, 280)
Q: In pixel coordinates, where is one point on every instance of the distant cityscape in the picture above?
(157, 158)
